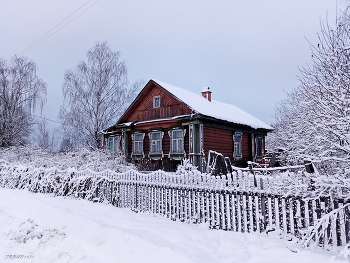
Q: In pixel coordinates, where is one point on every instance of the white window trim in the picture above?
(123, 137)
(170, 132)
(151, 142)
(237, 139)
(133, 145)
(154, 101)
(110, 140)
(191, 139)
(115, 139)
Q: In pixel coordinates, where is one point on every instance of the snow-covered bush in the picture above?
(187, 168)
(82, 159)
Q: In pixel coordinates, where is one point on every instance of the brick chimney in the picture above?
(206, 93)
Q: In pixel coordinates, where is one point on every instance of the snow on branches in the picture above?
(82, 159)
(21, 91)
(314, 120)
(96, 93)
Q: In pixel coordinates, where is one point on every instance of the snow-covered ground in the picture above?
(42, 228)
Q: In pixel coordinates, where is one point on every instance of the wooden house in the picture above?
(166, 124)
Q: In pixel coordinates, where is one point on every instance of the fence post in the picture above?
(250, 165)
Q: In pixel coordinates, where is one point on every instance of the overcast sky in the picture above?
(247, 52)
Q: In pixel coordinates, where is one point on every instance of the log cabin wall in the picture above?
(165, 143)
(129, 145)
(246, 149)
(221, 141)
(165, 163)
(218, 140)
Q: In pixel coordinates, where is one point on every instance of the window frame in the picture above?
(110, 143)
(191, 139)
(237, 145)
(177, 141)
(137, 145)
(178, 154)
(113, 143)
(157, 142)
(259, 147)
(156, 101)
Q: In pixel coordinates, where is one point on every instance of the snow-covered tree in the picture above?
(21, 91)
(96, 93)
(43, 137)
(314, 121)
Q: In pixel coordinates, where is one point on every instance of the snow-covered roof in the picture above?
(215, 109)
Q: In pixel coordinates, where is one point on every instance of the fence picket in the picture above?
(347, 224)
(245, 213)
(239, 212)
(250, 209)
(270, 212)
(284, 216)
(256, 214)
(277, 215)
(342, 226)
(291, 215)
(220, 210)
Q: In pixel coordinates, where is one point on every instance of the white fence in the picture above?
(289, 202)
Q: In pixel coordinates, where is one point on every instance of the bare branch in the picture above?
(95, 94)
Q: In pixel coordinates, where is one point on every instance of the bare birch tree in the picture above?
(95, 94)
(21, 91)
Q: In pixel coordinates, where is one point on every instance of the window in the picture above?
(177, 142)
(156, 101)
(156, 142)
(191, 128)
(259, 147)
(177, 150)
(110, 143)
(114, 144)
(137, 145)
(237, 140)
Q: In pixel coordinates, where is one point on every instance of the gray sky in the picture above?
(247, 52)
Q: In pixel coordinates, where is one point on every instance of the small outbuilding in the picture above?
(165, 124)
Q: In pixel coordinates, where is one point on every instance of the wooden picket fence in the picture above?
(240, 202)
(233, 210)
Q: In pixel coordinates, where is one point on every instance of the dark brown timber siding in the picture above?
(218, 140)
(246, 145)
(143, 109)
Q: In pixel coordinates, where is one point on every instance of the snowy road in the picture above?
(42, 228)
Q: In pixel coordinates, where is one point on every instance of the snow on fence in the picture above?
(288, 202)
